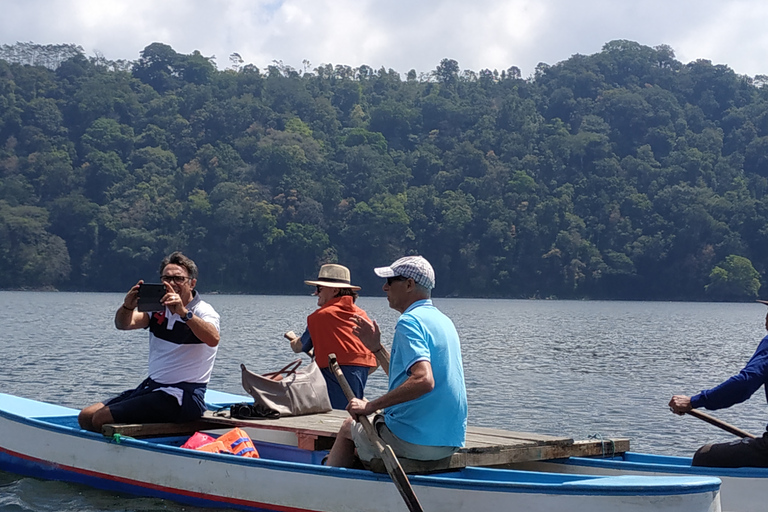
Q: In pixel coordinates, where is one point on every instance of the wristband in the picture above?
(125, 307)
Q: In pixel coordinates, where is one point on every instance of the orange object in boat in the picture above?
(197, 440)
(214, 447)
(238, 442)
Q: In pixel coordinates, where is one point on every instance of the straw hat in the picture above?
(333, 276)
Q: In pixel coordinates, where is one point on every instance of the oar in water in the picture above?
(396, 473)
(720, 424)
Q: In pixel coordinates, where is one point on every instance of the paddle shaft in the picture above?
(382, 357)
(720, 424)
(395, 471)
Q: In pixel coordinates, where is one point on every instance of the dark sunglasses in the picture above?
(391, 280)
(174, 279)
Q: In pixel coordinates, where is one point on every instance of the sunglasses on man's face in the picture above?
(174, 279)
(391, 280)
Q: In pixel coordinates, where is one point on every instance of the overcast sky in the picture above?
(397, 34)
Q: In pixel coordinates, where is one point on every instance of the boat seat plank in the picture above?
(528, 436)
(508, 456)
(139, 430)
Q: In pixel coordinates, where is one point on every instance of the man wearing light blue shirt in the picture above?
(425, 409)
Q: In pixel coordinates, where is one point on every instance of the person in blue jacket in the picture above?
(747, 452)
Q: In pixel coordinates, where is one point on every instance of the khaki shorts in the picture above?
(366, 451)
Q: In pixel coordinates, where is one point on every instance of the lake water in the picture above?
(552, 367)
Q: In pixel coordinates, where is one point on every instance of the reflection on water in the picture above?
(551, 367)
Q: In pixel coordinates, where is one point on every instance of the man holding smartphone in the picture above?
(183, 341)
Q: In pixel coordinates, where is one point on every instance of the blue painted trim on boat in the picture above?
(489, 479)
(633, 461)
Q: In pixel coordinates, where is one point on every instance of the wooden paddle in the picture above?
(721, 424)
(382, 357)
(396, 473)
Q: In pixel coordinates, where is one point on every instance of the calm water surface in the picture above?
(552, 367)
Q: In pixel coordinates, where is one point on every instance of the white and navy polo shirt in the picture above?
(175, 353)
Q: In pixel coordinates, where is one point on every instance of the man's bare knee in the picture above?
(85, 418)
(101, 418)
(345, 431)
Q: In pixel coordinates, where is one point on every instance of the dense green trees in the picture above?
(733, 279)
(623, 174)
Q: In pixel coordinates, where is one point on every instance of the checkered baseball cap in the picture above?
(415, 267)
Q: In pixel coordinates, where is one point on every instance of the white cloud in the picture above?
(400, 34)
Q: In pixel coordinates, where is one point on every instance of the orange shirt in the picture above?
(330, 328)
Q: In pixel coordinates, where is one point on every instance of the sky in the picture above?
(397, 34)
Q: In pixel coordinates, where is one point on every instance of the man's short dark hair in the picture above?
(177, 258)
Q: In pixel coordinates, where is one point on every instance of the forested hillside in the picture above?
(623, 174)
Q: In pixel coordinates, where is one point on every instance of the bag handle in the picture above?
(287, 370)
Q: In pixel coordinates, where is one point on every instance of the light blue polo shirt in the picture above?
(437, 418)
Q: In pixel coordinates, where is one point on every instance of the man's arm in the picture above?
(739, 387)
(733, 391)
(419, 382)
(205, 331)
(126, 316)
(370, 334)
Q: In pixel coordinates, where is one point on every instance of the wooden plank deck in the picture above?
(483, 446)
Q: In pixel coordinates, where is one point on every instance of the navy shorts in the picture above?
(356, 376)
(147, 404)
(741, 453)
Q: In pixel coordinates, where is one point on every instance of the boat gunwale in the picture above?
(619, 461)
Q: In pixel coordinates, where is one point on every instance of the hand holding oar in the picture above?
(681, 404)
(394, 469)
(720, 424)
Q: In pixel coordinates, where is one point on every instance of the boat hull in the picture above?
(50, 446)
(742, 490)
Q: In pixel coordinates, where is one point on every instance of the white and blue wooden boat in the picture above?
(43, 440)
(742, 490)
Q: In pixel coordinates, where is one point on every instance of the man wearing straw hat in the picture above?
(330, 329)
(747, 452)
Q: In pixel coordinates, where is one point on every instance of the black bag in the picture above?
(246, 411)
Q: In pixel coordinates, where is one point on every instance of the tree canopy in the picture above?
(623, 174)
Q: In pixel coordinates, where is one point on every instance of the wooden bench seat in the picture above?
(140, 430)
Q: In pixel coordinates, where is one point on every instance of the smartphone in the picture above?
(149, 297)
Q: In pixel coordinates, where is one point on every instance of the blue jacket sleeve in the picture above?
(739, 387)
(306, 341)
